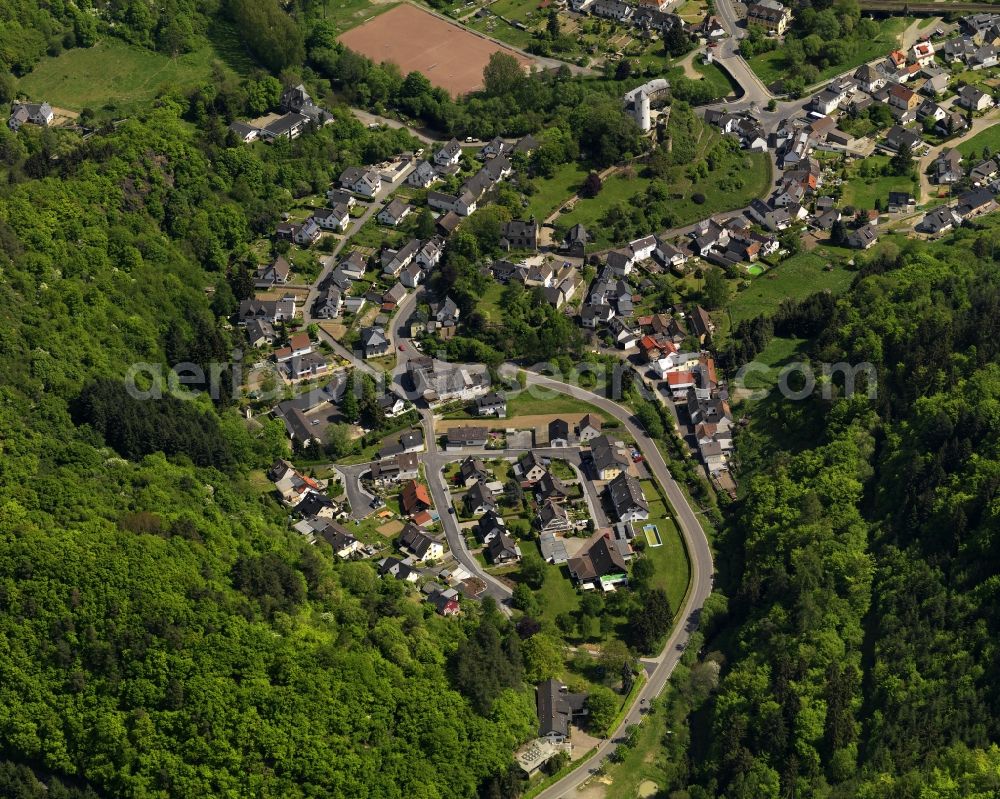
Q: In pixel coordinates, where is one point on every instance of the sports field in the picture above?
(416, 40)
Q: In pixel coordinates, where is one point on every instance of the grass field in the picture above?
(557, 594)
(861, 191)
(778, 353)
(114, 72)
(523, 404)
(773, 66)
(588, 210)
(672, 568)
(716, 76)
(551, 192)
(345, 14)
(985, 138)
(795, 278)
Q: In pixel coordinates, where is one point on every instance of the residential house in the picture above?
(620, 262)
(447, 222)
(530, 467)
(953, 122)
(243, 132)
(552, 517)
(557, 707)
(502, 550)
(404, 466)
(449, 155)
(420, 546)
(340, 540)
(643, 249)
(869, 79)
(668, 254)
(576, 241)
(473, 470)
(479, 499)
(701, 324)
(277, 273)
(493, 148)
(328, 303)
(466, 437)
(391, 405)
(863, 238)
(607, 459)
(336, 218)
(898, 137)
(902, 98)
(769, 14)
(489, 526)
(272, 311)
(374, 344)
(412, 276)
(973, 98)
(588, 428)
(975, 202)
(983, 172)
(519, 235)
(304, 235)
(900, 202)
(394, 213)
(303, 367)
(412, 441)
(947, 167)
(492, 404)
(354, 265)
(366, 182)
(922, 53)
(315, 505)
(423, 175)
(601, 565)
(298, 344)
(929, 109)
(444, 600)
(938, 221)
(550, 487)
(259, 333)
(446, 313)
(414, 498)
(287, 126)
(430, 253)
(461, 204)
(553, 548)
(394, 261)
(401, 570)
(558, 433)
(337, 197)
(627, 498)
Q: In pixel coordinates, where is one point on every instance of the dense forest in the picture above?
(164, 633)
(858, 657)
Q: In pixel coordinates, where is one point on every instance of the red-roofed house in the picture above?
(680, 381)
(415, 498)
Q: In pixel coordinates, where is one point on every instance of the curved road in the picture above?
(702, 570)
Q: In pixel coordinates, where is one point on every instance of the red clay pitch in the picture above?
(451, 56)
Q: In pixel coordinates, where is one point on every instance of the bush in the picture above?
(698, 198)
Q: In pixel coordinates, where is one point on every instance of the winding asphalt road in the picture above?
(699, 552)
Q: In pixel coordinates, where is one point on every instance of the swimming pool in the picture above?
(652, 535)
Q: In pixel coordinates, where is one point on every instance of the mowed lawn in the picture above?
(795, 278)
(524, 404)
(114, 72)
(773, 66)
(985, 138)
(551, 192)
(862, 192)
(588, 210)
